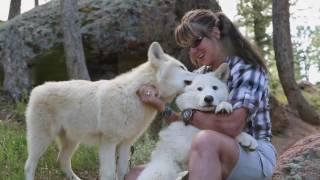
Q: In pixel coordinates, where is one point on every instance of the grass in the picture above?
(313, 98)
(12, 151)
(13, 154)
(277, 91)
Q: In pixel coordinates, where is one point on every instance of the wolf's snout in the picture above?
(187, 82)
(208, 99)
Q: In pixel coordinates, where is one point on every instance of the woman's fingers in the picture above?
(149, 94)
(147, 90)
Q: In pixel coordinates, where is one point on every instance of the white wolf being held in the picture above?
(207, 92)
(107, 113)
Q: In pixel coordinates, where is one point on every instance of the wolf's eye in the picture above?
(182, 67)
(215, 87)
(199, 88)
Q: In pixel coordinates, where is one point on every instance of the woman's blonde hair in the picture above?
(200, 22)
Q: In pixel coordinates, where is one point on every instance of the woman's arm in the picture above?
(229, 124)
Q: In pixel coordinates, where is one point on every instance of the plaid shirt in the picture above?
(248, 88)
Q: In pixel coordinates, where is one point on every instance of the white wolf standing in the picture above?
(107, 113)
(206, 92)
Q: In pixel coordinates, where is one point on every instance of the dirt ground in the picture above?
(296, 129)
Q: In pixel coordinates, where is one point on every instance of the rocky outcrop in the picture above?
(112, 31)
(307, 86)
(300, 161)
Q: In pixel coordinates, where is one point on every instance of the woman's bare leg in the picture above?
(212, 156)
(134, 172)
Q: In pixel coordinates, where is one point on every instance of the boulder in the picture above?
(300, 161)
(116, 35)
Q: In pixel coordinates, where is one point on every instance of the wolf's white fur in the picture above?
(171, 152)
(107, 113)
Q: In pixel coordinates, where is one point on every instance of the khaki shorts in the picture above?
(255, 165)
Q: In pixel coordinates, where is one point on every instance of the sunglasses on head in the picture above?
(196, 42)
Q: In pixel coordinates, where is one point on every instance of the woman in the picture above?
(213, 39)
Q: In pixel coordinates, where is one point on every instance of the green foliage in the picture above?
(13, 154)
(276, 89)
(143, 149)
(20, 106)
(12, 151)
(313, 98)
(306, 50)
(315, 42)
(1, 23)
(256, 18)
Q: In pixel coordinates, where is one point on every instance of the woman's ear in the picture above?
(216, 33)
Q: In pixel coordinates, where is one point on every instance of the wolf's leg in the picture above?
(38, 141)
(107, 157)
(67, 147)
(124, 156)
(167, 154)
(160, 169)
(247, 141)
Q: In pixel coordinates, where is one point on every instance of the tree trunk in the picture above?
(36, 3)
(15, 6)
(72, 42)
(284, 61)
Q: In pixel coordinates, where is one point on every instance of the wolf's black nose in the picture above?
(208, 99)
(187, 82)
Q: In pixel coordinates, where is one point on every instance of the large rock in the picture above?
(307, 86)
(300, 161)
(112, 31)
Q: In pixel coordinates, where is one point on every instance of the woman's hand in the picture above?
(149, 95)
(203, 120)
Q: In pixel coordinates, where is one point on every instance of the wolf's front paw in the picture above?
(247, 141)
(224, 107)
(183, 175)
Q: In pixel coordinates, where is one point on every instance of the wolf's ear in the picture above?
(222, 72)
(155, 54)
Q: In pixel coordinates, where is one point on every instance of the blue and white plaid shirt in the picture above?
(248, 88)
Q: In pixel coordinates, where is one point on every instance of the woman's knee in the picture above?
(205, 140)
(134, 172)
(214, 144)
